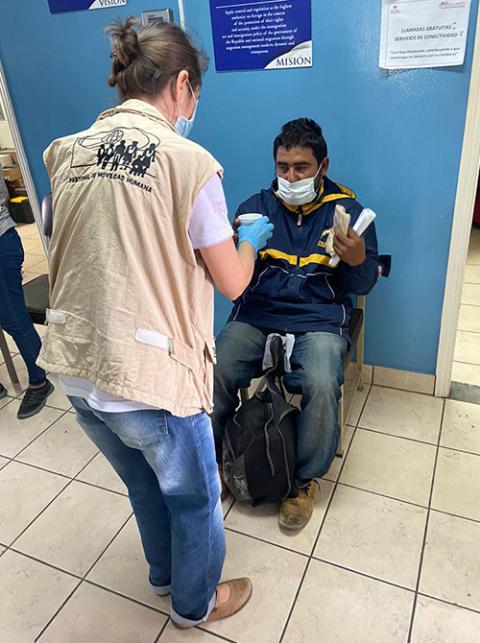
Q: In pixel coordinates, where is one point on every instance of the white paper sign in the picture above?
(423, 33)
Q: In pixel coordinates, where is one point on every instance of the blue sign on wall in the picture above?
(59, 6)
(266, 34)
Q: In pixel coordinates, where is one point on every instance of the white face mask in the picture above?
(299, 192)
(184, 125)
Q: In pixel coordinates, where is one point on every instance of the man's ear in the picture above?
(325, 166)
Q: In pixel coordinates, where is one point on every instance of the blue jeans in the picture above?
(14, 318)
(317, 374)
(168, 466)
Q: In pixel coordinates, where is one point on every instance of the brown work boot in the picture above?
(231, 597)
(296, 512)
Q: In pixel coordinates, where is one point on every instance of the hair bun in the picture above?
(124, 40)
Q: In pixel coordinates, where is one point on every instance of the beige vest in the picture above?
(131, 301)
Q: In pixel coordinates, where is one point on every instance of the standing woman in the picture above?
(133, 255)
(14, 317)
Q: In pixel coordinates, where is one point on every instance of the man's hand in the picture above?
(351, 248)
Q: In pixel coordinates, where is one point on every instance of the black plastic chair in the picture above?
(36, 291)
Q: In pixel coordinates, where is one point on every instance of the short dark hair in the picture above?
(302, 132)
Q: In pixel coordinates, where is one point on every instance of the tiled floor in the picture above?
(35, 262)
(466, 367)
(390, 555)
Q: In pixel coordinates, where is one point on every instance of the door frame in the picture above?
(461, 227)
(21, 155)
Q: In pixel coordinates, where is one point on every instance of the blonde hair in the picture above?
(148, 59)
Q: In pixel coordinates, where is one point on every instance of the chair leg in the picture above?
(8, 358)
(341, 422)
(360, 348)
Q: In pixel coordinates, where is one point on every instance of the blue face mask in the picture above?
(184, 125)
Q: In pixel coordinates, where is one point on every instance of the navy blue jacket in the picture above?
(293, 288)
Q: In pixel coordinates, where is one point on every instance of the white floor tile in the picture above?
(461, 426)
(173, 635)
(75, 528)
(41, 329)
(471, 294)
(357, 406)
(391, 466)
(472, 274)
(30, 593)
(469, 317)
(457, 484)
(28, 231)
(16, 434)
(374, 535)
(63, 448)
(437, 622)
(11, 345)
(28, 276)
(338, 606)
(407, 415)
(101, 473)
(123, 569)
(467, 347)
(451, 565)
(275, 574)
(4, 401)
(337, 463)
(473, 257)
(227, 504)
(93, 614)
(466, 373)
(22, 374)
(33, 246)
(58, 399)
(32, 260)
(262, 522)
(3, 462)
(24, 493)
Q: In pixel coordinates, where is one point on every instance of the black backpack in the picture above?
(259, 447)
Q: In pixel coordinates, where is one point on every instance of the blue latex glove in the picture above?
(256, 234)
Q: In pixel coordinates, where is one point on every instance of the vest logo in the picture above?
(126, 154)
(300, 56)
(104, 4)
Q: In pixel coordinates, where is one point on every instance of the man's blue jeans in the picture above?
(14, 318)
(317, 374)
(168, 465)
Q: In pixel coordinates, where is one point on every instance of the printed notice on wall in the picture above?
(263, 34)
(60, 6)
(423, 33)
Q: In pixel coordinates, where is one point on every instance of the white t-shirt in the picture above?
(209, 226)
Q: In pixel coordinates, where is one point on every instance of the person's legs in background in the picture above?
(240, 348)
(15, 320)
(317, 374)
(168, 465)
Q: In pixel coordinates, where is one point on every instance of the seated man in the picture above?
(294, 290)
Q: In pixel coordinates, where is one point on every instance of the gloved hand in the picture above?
(256, 234)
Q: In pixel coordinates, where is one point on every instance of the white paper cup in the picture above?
(248, 219)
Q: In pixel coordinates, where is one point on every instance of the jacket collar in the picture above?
(329, 191)
(139, 107)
